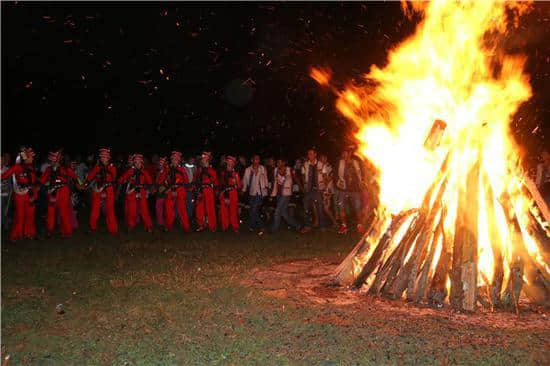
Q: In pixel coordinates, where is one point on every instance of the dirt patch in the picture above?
(308, 282)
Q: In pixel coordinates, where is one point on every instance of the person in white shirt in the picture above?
(255, 183)
(313, 184)
(282, 189)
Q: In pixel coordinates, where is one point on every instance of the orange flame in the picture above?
(452, 68)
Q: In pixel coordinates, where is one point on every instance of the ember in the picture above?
(458, 219)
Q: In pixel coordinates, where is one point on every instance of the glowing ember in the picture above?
(475, 221)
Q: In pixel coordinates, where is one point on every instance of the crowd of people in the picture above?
(160, 191)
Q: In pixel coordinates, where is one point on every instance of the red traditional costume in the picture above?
(102, 177)
(25, 194)
(174, 177)
(136, 193)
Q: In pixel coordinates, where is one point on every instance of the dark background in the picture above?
(231, 78)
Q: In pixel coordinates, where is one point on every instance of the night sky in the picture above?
(231, 78)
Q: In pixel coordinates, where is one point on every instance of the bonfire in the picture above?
(458, 220)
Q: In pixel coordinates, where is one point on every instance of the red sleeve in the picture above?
(44, 177)
(71, 174)
(162, 175)
(196, 177)
(8, 173)
(147, 177)
(113, 172)
(239, 183)
(127, 174)
(92, 174)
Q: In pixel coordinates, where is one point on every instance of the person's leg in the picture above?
(199, 209)
(320, 211)
(18, 217)
(224, 214)
(169, 214)
(144, 212)
(278, 214)
(110, 216)
(94, 210)
(234, 210)
(30, 226)
(190, 202)
(308, 203)
(251, 213)
(182, 208)
(65, 208)
(210, 208)
(159, 211)
(131, 210)
(51, 202)
(284, 211)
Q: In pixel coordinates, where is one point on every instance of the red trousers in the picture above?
(132, 202)
(23, 219)
(60, 201)
(206, 203)
(110, 218)
(229, 212)
(176, 200)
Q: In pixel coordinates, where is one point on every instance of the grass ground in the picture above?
(179, 299)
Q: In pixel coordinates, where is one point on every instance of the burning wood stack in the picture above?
(458, 220)
(413, 254)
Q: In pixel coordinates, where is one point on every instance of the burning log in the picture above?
(470, 236)
(346, 272)
(374, 259)
(420, 291)
(495, 286)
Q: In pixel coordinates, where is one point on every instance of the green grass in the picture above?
(177, 299)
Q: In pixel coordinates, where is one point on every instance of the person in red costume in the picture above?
(24, 185)
(229, 196)
(136, 193)
(101, 178)
(206, 181)
(58, 178)
(174, 177)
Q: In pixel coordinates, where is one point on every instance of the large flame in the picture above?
(454, 69)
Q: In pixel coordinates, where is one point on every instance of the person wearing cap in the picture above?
(101, 178)
(313, 184)
(255, 183)
(282, 189)
(57, 178)
(138, 180)
(206, 180)
(349, 185)
(24, 185)
(173, 176)
(229, 195)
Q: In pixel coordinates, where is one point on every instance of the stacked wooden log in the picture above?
(411, 255)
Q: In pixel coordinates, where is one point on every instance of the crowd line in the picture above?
(161, 191)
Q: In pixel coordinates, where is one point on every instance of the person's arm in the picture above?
(8, 173)
(238, 179)
(71, 174)
(91, 175)
(161, 177)
(45, 176)
(124, 177)
(246, 178)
